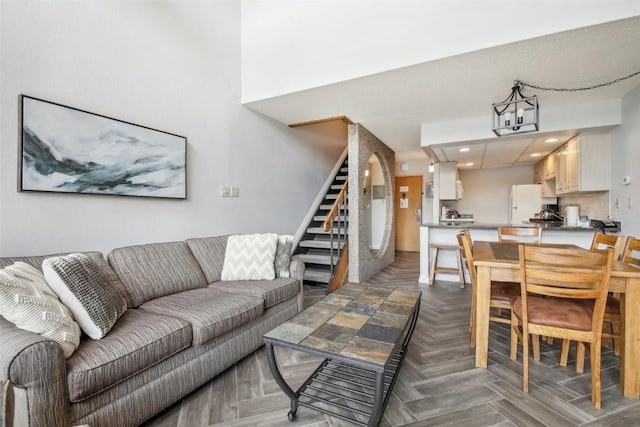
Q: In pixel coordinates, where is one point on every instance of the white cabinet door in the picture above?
(584, 164)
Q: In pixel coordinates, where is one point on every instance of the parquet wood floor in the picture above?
(438, 384)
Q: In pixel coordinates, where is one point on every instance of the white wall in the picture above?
(173, 66)
(486, 192)
(625, 154)
(336, 41)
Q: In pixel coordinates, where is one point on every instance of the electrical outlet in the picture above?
(225, 192)
(617, 204)
(235, 191)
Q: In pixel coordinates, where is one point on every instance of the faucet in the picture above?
(553, 214)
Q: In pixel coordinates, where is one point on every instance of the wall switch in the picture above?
(235, 191)
(617, 204)
(630, 203)
(225, 191)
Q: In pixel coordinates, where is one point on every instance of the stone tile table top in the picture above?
(357, 323)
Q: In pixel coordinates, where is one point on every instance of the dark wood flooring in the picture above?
(439, 384)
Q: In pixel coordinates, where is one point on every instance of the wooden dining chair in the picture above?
(501, 292)
(631, 252)
(612, 323)
(520, 234)
(554, 284)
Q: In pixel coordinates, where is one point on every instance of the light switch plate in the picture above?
(235, 191)
(225, 191)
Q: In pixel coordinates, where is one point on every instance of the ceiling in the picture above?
(394, 104)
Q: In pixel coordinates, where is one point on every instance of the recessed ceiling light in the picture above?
(469, 164)
(535, 155)
(550, 140)
(464, 150)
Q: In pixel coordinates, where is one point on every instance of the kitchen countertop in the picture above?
(480, 225)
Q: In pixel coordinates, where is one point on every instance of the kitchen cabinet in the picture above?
(584, 164)
(548, 188)
(544, 173)
(449, 181)
(538, 172)
(549, 167)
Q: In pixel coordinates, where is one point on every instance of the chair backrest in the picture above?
(631, 253)
(566, 273)
(604, 241)
(520, 234)
(464, 240)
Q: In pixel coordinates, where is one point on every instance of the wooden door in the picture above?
(408, 209)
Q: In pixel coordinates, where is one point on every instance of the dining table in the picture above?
(500, 261)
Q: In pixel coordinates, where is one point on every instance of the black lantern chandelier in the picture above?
(516, 114)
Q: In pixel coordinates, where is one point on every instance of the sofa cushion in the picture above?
(271, 291)
(210, 312)
(157, 269)
(138, 340)
(209, 252)
(27, 301)
(250, 257)
(86, 291)
(36, 261)
(283, 255)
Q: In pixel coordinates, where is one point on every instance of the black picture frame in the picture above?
(68, 150)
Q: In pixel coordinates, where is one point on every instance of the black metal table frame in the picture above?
(365, 379)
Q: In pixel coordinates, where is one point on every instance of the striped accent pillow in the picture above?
(86, 291)
(283, 255)
(250, 257)
(27, 301)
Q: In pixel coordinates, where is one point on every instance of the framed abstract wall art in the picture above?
(66, 150)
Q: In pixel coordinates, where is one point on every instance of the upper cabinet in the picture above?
(449, 181)
(549, 167)
(538, 172)
(583, 164)
(544, 173)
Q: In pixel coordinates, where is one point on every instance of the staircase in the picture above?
(318, 248)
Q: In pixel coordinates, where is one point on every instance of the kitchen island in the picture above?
(446, 232)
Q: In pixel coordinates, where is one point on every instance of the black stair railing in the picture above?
(336, 224)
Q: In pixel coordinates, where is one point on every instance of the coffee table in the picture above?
(362, 332)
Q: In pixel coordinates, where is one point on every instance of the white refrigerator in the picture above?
(525, 201)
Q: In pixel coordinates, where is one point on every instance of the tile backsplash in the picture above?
(593, 204)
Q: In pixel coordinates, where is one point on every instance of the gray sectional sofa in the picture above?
(182, 327)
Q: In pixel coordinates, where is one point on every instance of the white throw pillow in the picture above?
(27, 301)
(86, 291)
(283, 255)
(250, 257)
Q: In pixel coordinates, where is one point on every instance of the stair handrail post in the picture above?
(331, 216)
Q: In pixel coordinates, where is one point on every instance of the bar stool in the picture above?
(435, 268)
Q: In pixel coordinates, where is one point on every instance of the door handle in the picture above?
(418, 215)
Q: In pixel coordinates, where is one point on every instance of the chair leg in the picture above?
(515, 334)
(616, 330)
(460, 270)
(472, 322)
(595, 375)
(580, 357)
(536, 347)
(525, 362)
(564, 353)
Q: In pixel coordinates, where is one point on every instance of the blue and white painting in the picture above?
(73, 151)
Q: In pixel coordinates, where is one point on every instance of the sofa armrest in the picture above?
(296, 270)
(35, 366)
(6, 404)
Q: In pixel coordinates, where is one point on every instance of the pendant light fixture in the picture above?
(516, 114)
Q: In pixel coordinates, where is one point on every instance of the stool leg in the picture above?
(434, 262)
